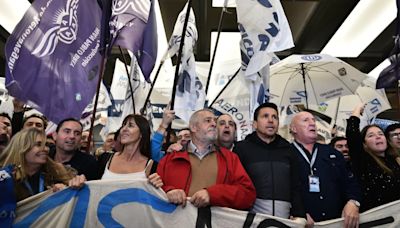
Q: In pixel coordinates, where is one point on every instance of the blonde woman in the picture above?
(34, 171)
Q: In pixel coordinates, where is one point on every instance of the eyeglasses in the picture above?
(395, 135)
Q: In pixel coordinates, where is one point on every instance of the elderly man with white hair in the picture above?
(327, 190)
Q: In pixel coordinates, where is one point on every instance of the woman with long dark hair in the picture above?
(373, 164)
(133, 161)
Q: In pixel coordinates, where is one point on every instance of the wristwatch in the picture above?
(355, 202)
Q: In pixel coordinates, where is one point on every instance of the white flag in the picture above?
(103, 103)
(190, 95)
(264, 29)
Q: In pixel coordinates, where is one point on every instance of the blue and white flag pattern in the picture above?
(138, 204)
(264, 29)
(190, 95)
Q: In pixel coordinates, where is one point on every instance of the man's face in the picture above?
(68, 138)
(109, 143)
(184, 137)
(35, 122)
(394, 138)
(267, 122)
(205, 129)
(85, 139)
(342, 147)
(304, 127)
(5, 132)
(226, 129)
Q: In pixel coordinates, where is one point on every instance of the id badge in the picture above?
(314, 183)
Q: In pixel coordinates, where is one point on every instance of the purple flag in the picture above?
(133, 26)
(148, 54)
(52, 57)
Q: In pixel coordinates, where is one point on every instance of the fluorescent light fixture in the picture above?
(377, 70)
(220, 3)
(367, 20)
(11, 12)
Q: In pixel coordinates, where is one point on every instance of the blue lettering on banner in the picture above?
(49, 204)
(126, 196)
(273, 31)
(301, 93)
(80, 210)
(376, 102)
(265, 3)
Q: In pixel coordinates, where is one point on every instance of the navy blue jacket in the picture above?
(336, 187)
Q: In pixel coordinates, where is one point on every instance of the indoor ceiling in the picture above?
(313, 23)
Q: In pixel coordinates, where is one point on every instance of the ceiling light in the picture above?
(11, 12)
(220, 3)
(367, 20)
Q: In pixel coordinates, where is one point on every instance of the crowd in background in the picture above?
(264, 173)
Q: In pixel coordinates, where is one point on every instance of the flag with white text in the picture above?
(52, 57)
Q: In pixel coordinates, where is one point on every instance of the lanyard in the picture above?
(41, 185)
(313, 158)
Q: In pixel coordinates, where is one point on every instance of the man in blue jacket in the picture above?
(327, 190)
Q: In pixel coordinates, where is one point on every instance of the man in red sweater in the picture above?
(206, 174)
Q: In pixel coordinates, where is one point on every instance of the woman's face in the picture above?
(130, 132)
(37, 155)
(375, 140)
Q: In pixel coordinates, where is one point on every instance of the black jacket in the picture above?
(83, 163)
(273, 168)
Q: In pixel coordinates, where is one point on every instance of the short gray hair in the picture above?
(194, 118)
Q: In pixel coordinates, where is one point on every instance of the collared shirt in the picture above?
(200, 154)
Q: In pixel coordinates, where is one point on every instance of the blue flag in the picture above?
(52, 57)
(148, 54)
(8, 202)
(133, 26)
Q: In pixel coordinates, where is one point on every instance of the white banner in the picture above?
(138, 204)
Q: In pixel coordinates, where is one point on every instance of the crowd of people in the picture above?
(264, 173)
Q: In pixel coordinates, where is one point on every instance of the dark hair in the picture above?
(184, 129)
(265, 105)
(336, 139)
(365, 129)
(381, 164)
(3, 114)
(390, 128)
(144, 128)
(66, 120)
(43, 118)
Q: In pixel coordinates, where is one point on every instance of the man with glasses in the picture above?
(392, 134)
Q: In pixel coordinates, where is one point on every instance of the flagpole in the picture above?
(223, 89)
(303, 72)
(224, 9)
(129, 78)
(101, 73)
(189, 7)
(153, 83)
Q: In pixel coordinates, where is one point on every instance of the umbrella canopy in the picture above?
(340, 109)
(312, 79)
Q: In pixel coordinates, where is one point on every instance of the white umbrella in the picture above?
(340, 109)
(312, 79)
